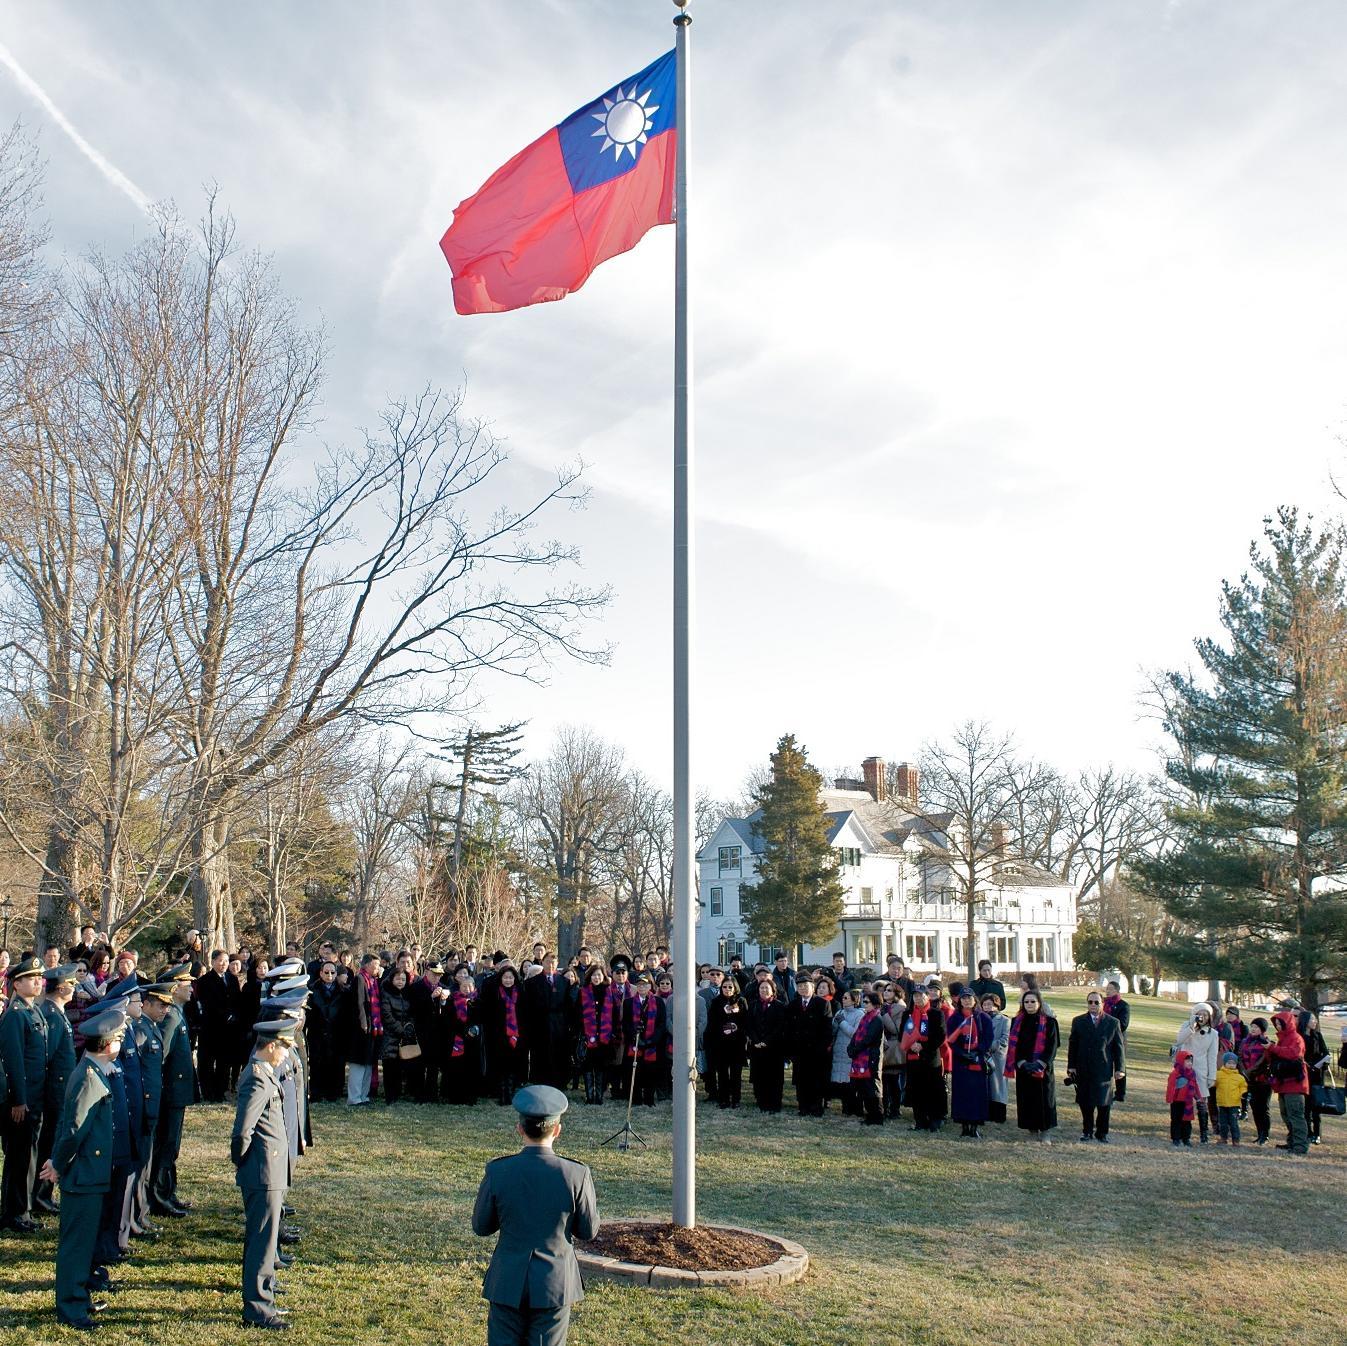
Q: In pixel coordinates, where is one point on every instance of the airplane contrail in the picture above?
(100, 161)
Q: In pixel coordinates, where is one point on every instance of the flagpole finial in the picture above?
(683, 15)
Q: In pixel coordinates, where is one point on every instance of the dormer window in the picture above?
(731, 859)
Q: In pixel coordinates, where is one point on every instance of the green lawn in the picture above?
(1132, 1243)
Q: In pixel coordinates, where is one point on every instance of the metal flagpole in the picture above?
(683, 950)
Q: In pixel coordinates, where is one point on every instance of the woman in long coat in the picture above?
(1031, 1049)
(844, 1026)
(462, 1040)
(598, 1031)
(726, 1043)
(866, 1049)
(767, 1047)
(891, 1015)
(502, 1022)
(923, 1045)
(998, 1091)
(395, 1004)
(969, 1034)
(325, 1023)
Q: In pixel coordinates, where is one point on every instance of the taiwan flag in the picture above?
(584, 192)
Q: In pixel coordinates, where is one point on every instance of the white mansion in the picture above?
(899, 892)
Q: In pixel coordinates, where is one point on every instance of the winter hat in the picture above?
(1230, 1059)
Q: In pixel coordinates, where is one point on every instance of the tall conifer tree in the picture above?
(1259, 816)
(797, 898)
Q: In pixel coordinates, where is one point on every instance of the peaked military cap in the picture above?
(27, 967)
(275, 1030)
(619, 960)
(159, 990)
(105, 1024)
(128, 986)
(182, 972)
(540, 1102)
(291, 984)
(66, 972)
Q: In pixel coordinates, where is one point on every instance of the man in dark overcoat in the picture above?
(1095, 1061)
(809, 1040)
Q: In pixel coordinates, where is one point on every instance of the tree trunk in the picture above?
(212, 898)
(972, 949)
(56, 892)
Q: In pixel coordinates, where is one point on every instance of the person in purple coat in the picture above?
(969, 1035)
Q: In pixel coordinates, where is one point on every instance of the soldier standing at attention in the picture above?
(150, 1048)
(81, 1161)
(179, 1092)
(260, 1151)
(23, 1043)
(60, 990)
(539, 1202)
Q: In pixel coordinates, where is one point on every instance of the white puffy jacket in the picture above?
(1205, 1045)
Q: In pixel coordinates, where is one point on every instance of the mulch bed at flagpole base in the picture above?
(650, 1252)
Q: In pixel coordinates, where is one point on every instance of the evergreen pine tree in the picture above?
(1259, 816)
(797, 898)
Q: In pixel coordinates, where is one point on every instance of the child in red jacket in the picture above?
(1181, 1094)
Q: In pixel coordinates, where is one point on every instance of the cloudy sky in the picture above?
(1012, 320)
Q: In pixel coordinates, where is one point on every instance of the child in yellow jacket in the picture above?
(1230, 1087)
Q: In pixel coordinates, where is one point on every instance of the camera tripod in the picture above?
(625, 1136)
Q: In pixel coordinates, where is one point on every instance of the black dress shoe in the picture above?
(287, 1211)
(183, 1204)
(277, 1324)
(79, 1324)
(286, 1238)
(171, 1212)
(49, 1207)
(284, 1260)
(101, 1285)
(99, 1306)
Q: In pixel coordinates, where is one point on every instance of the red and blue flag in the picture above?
(585, 191)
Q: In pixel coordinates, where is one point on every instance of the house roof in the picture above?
(889, 829)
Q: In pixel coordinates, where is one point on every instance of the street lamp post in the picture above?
(6, 907)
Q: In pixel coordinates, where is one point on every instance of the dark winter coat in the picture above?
(1094, 1056)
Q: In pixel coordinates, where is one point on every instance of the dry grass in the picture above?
(917, 1237)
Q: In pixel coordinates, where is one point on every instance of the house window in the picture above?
(958, 950)
(717, 901)
(865, 951)
(867, 897)
(769, 955)
(1001, 950)
(921, 950)
(1040, 948)
(849, 855)
(730, 859)
(727, 949)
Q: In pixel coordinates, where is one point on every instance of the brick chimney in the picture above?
(999, 840)
(875, 780)
(907, 783)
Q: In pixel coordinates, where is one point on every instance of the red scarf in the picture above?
(598, 1018)
(1111, 1003)
(862, 1067)
(1040, 1042)
(914, 1030)
(649, 1047)
(967, 1030)
(509, 997)
(376, 1018)
(462, 1006)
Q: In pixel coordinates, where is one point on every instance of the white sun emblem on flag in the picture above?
(625, 121)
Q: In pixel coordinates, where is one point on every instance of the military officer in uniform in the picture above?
(538, 1202)
(259, 1149)
(23, 1043)
(178, 1094)
(156, 998)
(60, 990)
(81, 1161)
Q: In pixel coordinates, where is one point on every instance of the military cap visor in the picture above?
(66, 972)
(160, 991)
(275, 1030)
(183, 972)
(290, 984)
(540, 1102)
(288, 968)
(128, 986)
(107, 1023)
(26, 967)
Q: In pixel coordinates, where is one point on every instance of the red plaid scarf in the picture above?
(462, 1010)
(509, 997)
(646, 1032)
(598, 1015)
(862, 1067)
(376, 1018)
(1040, 1040)
(1182, 1085)
(967, 1030)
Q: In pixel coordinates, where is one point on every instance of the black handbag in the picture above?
(1329, 1096)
